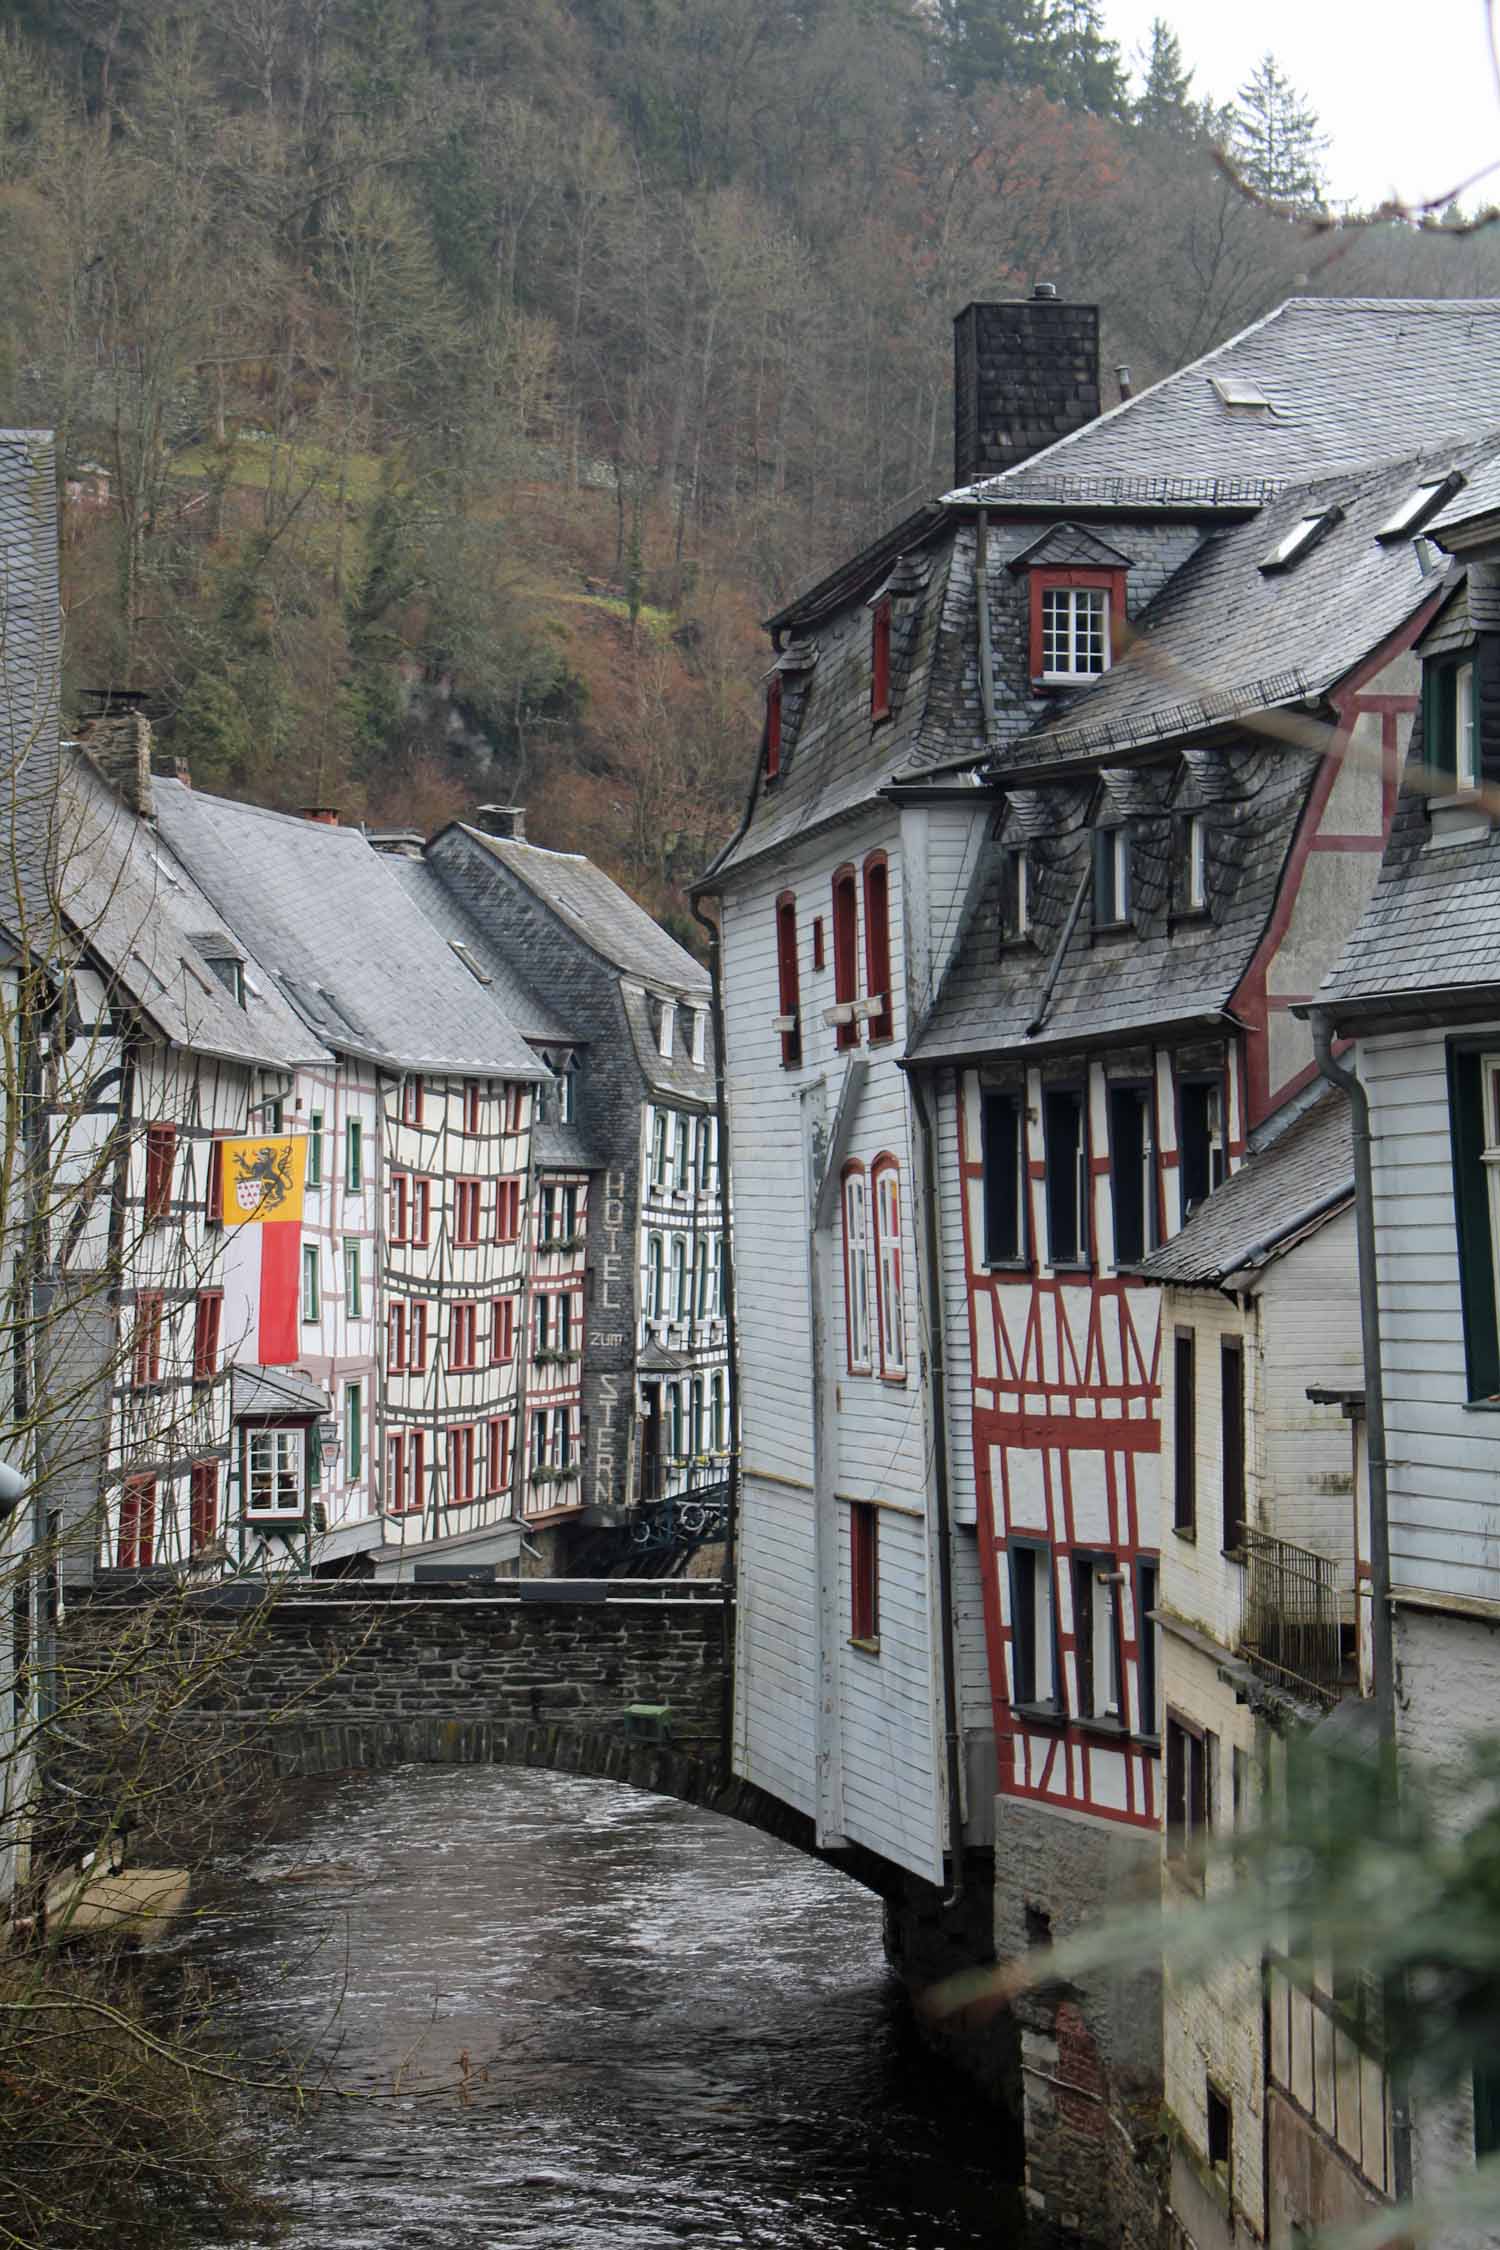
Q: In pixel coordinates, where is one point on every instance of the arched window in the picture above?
(678, 1434)
(679, 1304)
(719, 1432)
(682, 1153)
(718, 1295)
(655, 1277)
(846, 955)
(878, 943)
(700, 1425)
(890, 1296)
(701, 1298)
(856, 1269)
(790, 1020)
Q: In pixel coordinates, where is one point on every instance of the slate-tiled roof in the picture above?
(446, 911)
(146, 919)
(1349, 379)
(563, 1148)
(1153, 975)
(677, 1080)
(30, 671)
(597, 910)
(1479, 496)
(1225, 638)
(1307, 1170)
(351, 948)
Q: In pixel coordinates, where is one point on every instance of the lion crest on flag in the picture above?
(265, 1179)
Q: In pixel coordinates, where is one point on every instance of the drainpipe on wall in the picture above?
(937, 1378)
(1382, 1635)
(732, 1488)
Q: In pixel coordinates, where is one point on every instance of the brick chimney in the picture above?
(326, 816)
(504, 820)
(119, 743)
(1024, 374)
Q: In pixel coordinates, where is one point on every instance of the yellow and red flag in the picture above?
(261, 1183)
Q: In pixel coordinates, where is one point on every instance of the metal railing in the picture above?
(1291, 1627)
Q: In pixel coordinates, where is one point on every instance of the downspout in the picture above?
(1381, 1630)
(1054, 970)
(731, 1348)
(937, 1378)
(982, 608)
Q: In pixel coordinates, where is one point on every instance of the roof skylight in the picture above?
(481, 976)
(1420, 506)
(1239, 391)
(1303, 536)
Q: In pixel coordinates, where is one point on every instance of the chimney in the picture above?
(1025, 373)
(118, 739)
(326, 816)
(504, 820)
(1127, 388)
(396, 843)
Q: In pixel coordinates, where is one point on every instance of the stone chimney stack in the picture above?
(504, 820)
(119, 743)
(1024, 374)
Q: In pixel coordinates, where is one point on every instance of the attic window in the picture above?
(666, 1029)
(1420, 507)
(1240, 395)
(1304, 535)
(880, 661)
(773, 729)
(481, 976)
(1074, 615)
(230, 971)
(1015, 898)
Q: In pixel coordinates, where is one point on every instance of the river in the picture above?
(589, 2017)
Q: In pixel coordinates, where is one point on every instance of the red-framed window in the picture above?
(473, 1105)
(213, 1196)
(396, 1325)
(416, 1338)
(880, 661)
(146, 1361)
(161, 1163)
(136, 1547)
(1075, 620)
(502, 1330)
(411, 1101)
(857, 1328)
(507, 1210)
(416, 1471)
(203, 1506)
(890, 1289)
(786, 980)
(878, 943)
(398, 1207)
(864, 1574)
(846, 952)
(466, 1204)
(421, 1212)
(497, 1453)
(819, 958)
(513, 1106)
(463, 1450)
(773, 729)
(208, 1317)
(395, 1472)
(463, 1321)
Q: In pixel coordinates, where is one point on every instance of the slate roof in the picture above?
(1349, 379)
(146, 919)
(1479, 497)
(677, 1080)
(1225, 638)
(563, 1148)
(1296, 1181)
(352, 950)
(30, 669)
(1152, 976)
(597, 910)
(446, 911)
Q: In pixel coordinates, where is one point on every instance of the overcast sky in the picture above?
(1406, 94)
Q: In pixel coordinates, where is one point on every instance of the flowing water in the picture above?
(590, 2018)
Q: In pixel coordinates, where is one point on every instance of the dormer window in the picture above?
(1195, 872)
(880, 661)
(1015, 904)
(230, 971)
(773, 729)
(1111, 877)
(1075, 633)
(666, 1029)
(1450, 726)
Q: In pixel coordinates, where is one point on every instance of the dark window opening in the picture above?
(1474, 1115)
(880, 661)
(1004, 1179)
(1033, 1645)
(1146, 1629)
(1111, 877)
(864, 1573)
(878, 943)
(1187, 1788)
(1133, 1172)
(786, 976)
(1184, 1433)
(1220, 2129)
(773, 730)
(1201, 1156)
(1067, 1177)
(1232, 1439)
(845, 954)
(817, 938)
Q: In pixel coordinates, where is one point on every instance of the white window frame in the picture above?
(284, 1473)
(1081, 601)
(667, 1030)
(1466, 733)
(702, 1281)
(656, 1276)
(1197, 863)
(857, 1271)
(682, 1153)
(354, 1278)
(658, 1148)
(1489, 1079)
(312, 1285)
(679, 1283)
(700, 1036)
(890, 1288)
(354, 1410)
(1023, 893)
(718, 1410)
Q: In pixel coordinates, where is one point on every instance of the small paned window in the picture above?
(411, 1101)
(1015, 895)
(467, 1196)
(473, 1105)
(203, 1506)
(1033, 1632)
(567, 1092)
(1450, 732)
(275, 1467)
(354, 1289)
(773, 729)
(497, 1453)
(1195, 867)
(682, 1168)
(678, 1306)
(416, 1456)
(1232, 1442)
(354, 1155)
(1132, 1164)
(395, 1335)
(857, 1270)
(312, 1293)
(878, 944)
(417, 1338)
(161, 1160)
(507, 1210)
(890, 1292)
(880, 661)
(462, 1334)
(701, 1277)
(817, 942)
(421, 1212)
(1003, 1126)
(1111, 877)
(789, 1022)
(1474, 1115)
(354, 1432)
(136, 1546)
(398, 1207)
(846, 955)
(864, 1574)
(502, 1330)
(207, 1318)
(1065, 1138)
(1184, 1433)
(462, 1449)
(1201, 1155)
(1075, 632)
(395, 1471)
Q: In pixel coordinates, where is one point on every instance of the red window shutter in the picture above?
(864, 1572)
(206, 1321)
(161, 1161)
(203, 1519)
(773, 729)
(213, 1203)
(417, 1349)
(147, 1337)
(418, 1452)
(878, 942)
(137, 1544)
(845, 951)
(786, 977)
(880, 661)
(817, 941)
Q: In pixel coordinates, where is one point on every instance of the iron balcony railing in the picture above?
(1291, 1626)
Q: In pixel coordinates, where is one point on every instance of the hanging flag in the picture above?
(261, 1184)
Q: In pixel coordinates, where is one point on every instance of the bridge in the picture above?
(253, 1682)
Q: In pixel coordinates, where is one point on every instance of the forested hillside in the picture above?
(445, 386)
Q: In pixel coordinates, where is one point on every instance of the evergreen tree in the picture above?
(1163, 104)
(1275, 141)
(993, 43)
(1083, 66)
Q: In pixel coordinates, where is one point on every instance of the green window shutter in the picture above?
(1440, 718)
(1472, 1210)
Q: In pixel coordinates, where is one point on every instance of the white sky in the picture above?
(1406, 94)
